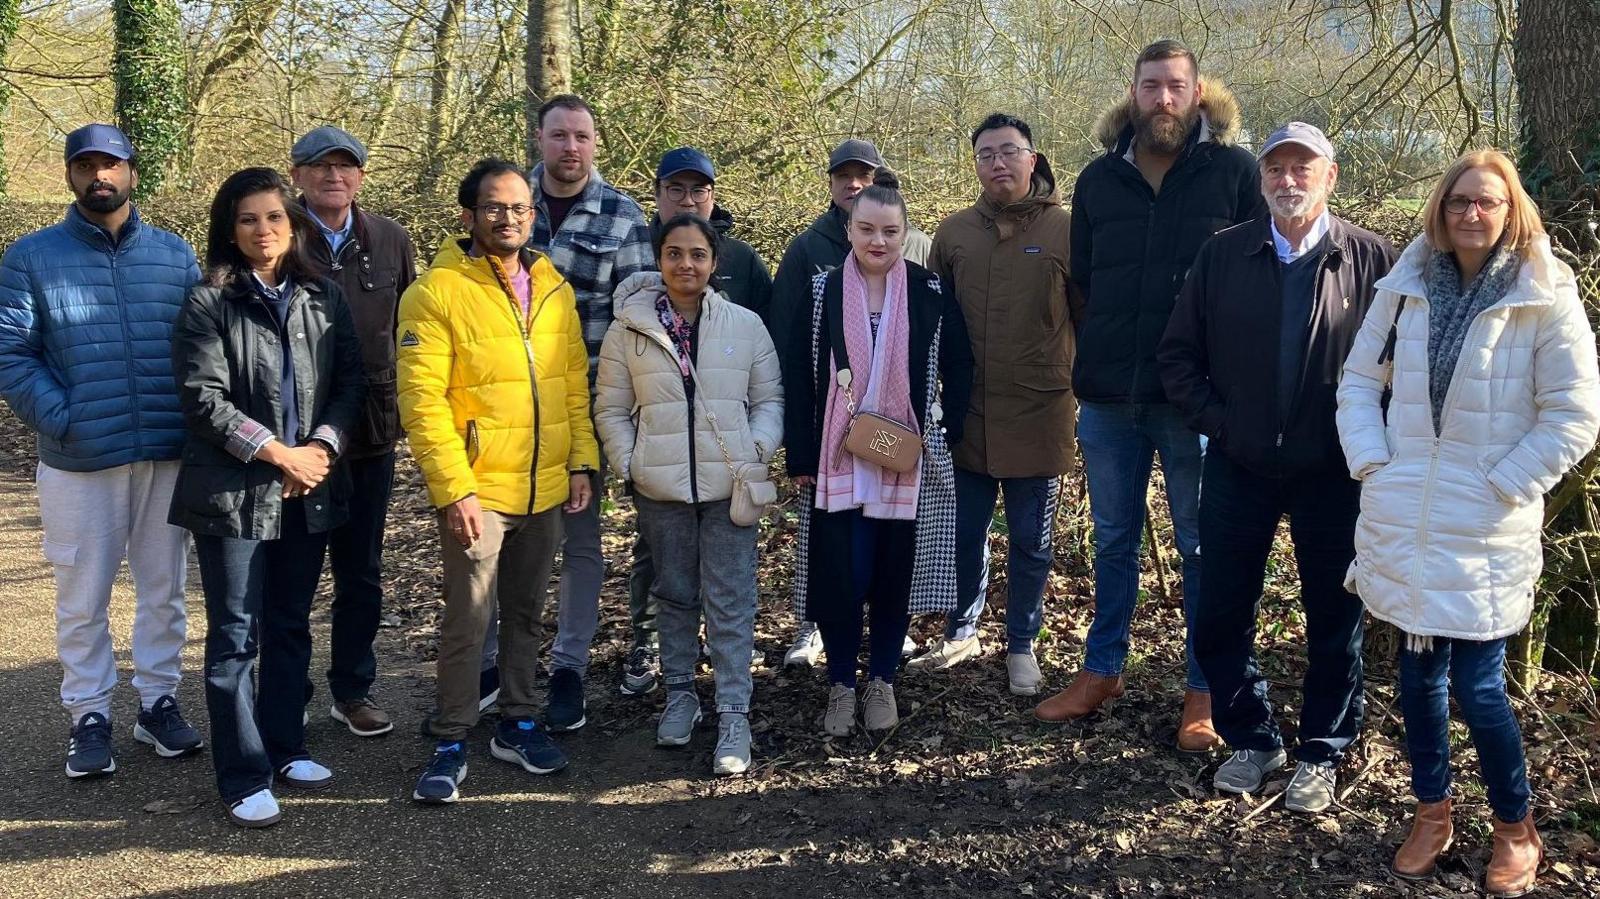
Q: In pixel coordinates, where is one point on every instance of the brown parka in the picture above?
(1009, 269)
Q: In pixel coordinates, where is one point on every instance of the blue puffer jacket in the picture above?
(86, 340)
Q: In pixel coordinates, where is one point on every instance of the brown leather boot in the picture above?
(1431, 836)
(1515, 862)
(1087, 693)
(1195, 732)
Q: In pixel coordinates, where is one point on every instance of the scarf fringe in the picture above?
(1421, 644)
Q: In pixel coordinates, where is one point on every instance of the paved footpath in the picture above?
(624, 820)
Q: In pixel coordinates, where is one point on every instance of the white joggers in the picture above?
(92, 521)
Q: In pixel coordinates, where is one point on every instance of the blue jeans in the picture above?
(1030, 520)
(1476, 673)
(258, 602)
(1119, 443)
(355, 557)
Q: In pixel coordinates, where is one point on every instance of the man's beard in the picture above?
(1163, 133)
(1296, 207)
(103, 204)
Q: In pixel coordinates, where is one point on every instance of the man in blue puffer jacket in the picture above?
(86, 313)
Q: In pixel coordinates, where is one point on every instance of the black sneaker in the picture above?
(521, 741)
(567, 706)
(488, 688)
(641, 671)
(441, 780)
(89, 750)
(163, 727)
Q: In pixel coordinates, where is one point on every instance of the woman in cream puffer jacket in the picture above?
(1480, 333)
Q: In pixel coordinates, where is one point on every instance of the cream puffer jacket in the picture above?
(1448, 542)
(642, 411)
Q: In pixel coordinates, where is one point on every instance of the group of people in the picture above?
(1197, 302)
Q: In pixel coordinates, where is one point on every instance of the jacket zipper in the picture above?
(672, 355)
(127, 343)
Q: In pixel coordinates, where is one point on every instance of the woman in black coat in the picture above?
(270, 381)
(872, 540)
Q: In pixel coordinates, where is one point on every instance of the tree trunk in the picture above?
(148, 67)
(10, 17)
(442, 94)
(548, 60)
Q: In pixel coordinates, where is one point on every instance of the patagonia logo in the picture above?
(1033, 251)
(410, 338)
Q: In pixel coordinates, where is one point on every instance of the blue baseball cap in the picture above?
(99, 138)
(685, 159)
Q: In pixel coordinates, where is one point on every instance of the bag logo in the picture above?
(410, 338)
(884, 444)
(1033, 250)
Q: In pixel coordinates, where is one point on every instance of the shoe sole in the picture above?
(1428, 874)
(99, 772)
(1024, 690)
(166, 752)
(455, 793)
(725, 770)
(569, 728)
(335, 714)
(1105, 708)
(1306, 809)
(516, 758)
(673, 741)
(254, 825)
(307, 785)
(627, 689)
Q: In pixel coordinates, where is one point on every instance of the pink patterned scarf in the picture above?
(880, 371)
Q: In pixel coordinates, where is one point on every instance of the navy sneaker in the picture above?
(163, 727)
(520, 741)
(488, 688)
(641, 671)
(89, 750)
(440, 782)
(567, 705)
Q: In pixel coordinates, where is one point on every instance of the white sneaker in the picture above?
(1022, 669)
(908, 648)
(806, 648)
(259, 809)
(305, 774)
(1312, 787)
(946, 654)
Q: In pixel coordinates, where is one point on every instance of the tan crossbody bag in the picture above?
(753, 492)
(871, 437)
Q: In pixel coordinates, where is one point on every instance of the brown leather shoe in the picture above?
(1087, 693)
(1431, 836)
(362, 717)
(1195, 732)
(1515, 861)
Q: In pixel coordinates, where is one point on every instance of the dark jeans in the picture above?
(258, 601)
(1030, 521)
(875, 590)
(355, 554)
(1475, 672)
(1239, 514)
(642, 607)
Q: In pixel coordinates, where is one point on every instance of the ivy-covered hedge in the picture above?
(151, 91)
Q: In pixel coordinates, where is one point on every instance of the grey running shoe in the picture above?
(878, 711)
(733, 744)
(1312, 788)
(678, 719)
(1244, 771)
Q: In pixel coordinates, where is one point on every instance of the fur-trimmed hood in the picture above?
(1218, 106)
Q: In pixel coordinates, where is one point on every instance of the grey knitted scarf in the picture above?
(1452, 309)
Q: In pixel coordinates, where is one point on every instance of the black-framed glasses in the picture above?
(497, 211)
(1008, 152)
(1458, 205)
(700, 192)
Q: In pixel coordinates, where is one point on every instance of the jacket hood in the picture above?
(1219, 109)
(830, 224)
(636, 300)
(1043, 192)
(1540, 278)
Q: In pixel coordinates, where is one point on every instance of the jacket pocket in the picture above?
(382, 420)
(211, 491)
(472, 442)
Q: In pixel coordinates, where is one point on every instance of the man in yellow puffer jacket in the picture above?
(493, 387)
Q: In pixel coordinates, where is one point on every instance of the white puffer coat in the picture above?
(642, 411)
(1448, 542)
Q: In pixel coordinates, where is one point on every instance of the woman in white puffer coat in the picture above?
(1480, 336)
(680, 358)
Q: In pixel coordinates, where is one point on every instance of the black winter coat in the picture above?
(1219, 359)
(229, 368)
(1132, 247)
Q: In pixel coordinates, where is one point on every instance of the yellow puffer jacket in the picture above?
(467, 365)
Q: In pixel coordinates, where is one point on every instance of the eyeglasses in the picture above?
(1008, 152)
(1458, 205)
(700, 193)
(323, 167)
(495, 211)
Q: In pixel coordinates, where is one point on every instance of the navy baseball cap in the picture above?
(685, 159)
(98, 138)
(319, 142)
(1299, 134)
(855, 151)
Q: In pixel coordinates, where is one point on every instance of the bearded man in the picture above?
(1251, 359)
(1170, 178)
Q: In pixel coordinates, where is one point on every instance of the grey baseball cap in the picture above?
(855, 151)
(1300, 134)
(319, 142)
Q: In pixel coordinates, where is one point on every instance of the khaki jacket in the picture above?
(1009, 268)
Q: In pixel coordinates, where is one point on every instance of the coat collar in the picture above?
(1338, 236)
(1540, 278)
(95, 236)
(636, 307)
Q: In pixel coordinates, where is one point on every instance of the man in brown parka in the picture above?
(1007, 258)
